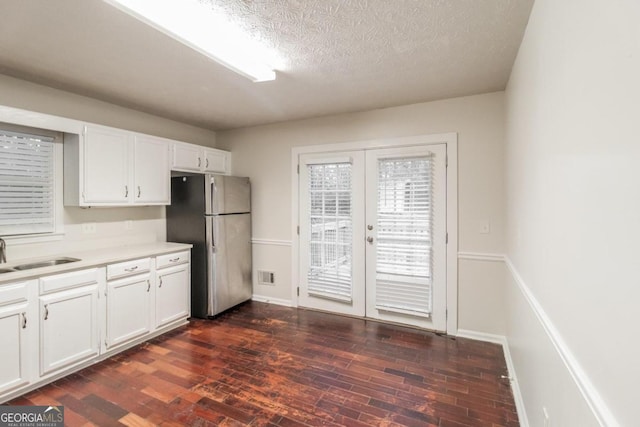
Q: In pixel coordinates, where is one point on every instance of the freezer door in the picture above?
(229, 195)
(230, 262)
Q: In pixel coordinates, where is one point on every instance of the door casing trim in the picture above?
(451, 141)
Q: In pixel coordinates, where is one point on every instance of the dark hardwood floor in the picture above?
(265, 365)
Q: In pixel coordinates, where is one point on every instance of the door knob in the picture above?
(370, 239)
(369, 227)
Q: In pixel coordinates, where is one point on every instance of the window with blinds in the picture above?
(26, 184)
(330, 216)
(404, 246)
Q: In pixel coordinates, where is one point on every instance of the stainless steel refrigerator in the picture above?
(213, 212)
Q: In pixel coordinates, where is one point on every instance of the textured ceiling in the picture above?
(336, 56)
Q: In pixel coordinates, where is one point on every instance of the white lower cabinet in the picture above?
(172, 294)
(54, 324)
(69, 331)
(17, 330)
(128, 309)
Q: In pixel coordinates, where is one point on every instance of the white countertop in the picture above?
(93, 258)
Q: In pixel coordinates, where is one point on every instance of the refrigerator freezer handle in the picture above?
(210, 233)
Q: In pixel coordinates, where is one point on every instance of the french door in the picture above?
(373, 234)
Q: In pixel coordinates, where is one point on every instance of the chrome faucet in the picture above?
(3, 251)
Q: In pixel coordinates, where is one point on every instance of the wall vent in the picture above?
(266, 277)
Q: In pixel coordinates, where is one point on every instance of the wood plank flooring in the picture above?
(265, 365)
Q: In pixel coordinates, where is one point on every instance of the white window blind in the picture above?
(330, 215)
(404, 244)
(26, 184)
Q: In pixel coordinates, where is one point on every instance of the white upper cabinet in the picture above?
(152, 174)
(216, 161)
(113, 167)
(105, 166)
(195, 158)
(186, 157)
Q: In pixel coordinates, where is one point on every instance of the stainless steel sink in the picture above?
(47, 263)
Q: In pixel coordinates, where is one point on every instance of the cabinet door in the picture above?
(216, 161)
(151, 170)
(128, 309)
(187, 157)
(106, 166)
(14, 328)
(173, 294)
(68, 328)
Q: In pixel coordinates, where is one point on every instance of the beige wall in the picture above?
(264, 154)
(148, 222)
(42, 99)
(574, 208)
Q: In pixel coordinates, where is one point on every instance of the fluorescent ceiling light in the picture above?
(202, 29)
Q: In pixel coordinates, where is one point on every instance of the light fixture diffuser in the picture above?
(205, 31)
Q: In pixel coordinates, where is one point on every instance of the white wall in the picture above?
(264, 154)
(573, 206)
(148, 222)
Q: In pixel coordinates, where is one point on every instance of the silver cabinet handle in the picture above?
(130, 269)
(138, 191)
(174, 259)
(199, 162)
(126, 191)
(369, 227)
(160, 285)
(148, 286)
(46, 311)
(24, 320)
(207, 163)
(370, 239)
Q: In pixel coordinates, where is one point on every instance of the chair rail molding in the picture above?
(481, 256)
(272, 242)
(589, 392)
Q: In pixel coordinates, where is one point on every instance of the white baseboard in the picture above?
(482, 336)
(270, 300)
(515, 388)
(589, 392)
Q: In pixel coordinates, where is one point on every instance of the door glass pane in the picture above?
(404, 239)
(330, 217)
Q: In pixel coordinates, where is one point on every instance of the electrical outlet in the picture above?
(485, 228)
(89, 228)
(545, 415)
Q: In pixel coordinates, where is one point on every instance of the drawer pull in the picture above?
(148, 286)
(24, 320)
(160, 285)
(46, 311)
(174, 259)
(130, 269)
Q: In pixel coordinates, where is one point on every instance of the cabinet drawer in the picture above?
(128, 268)
(68, 280)
(13, 293)
(172, 259)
